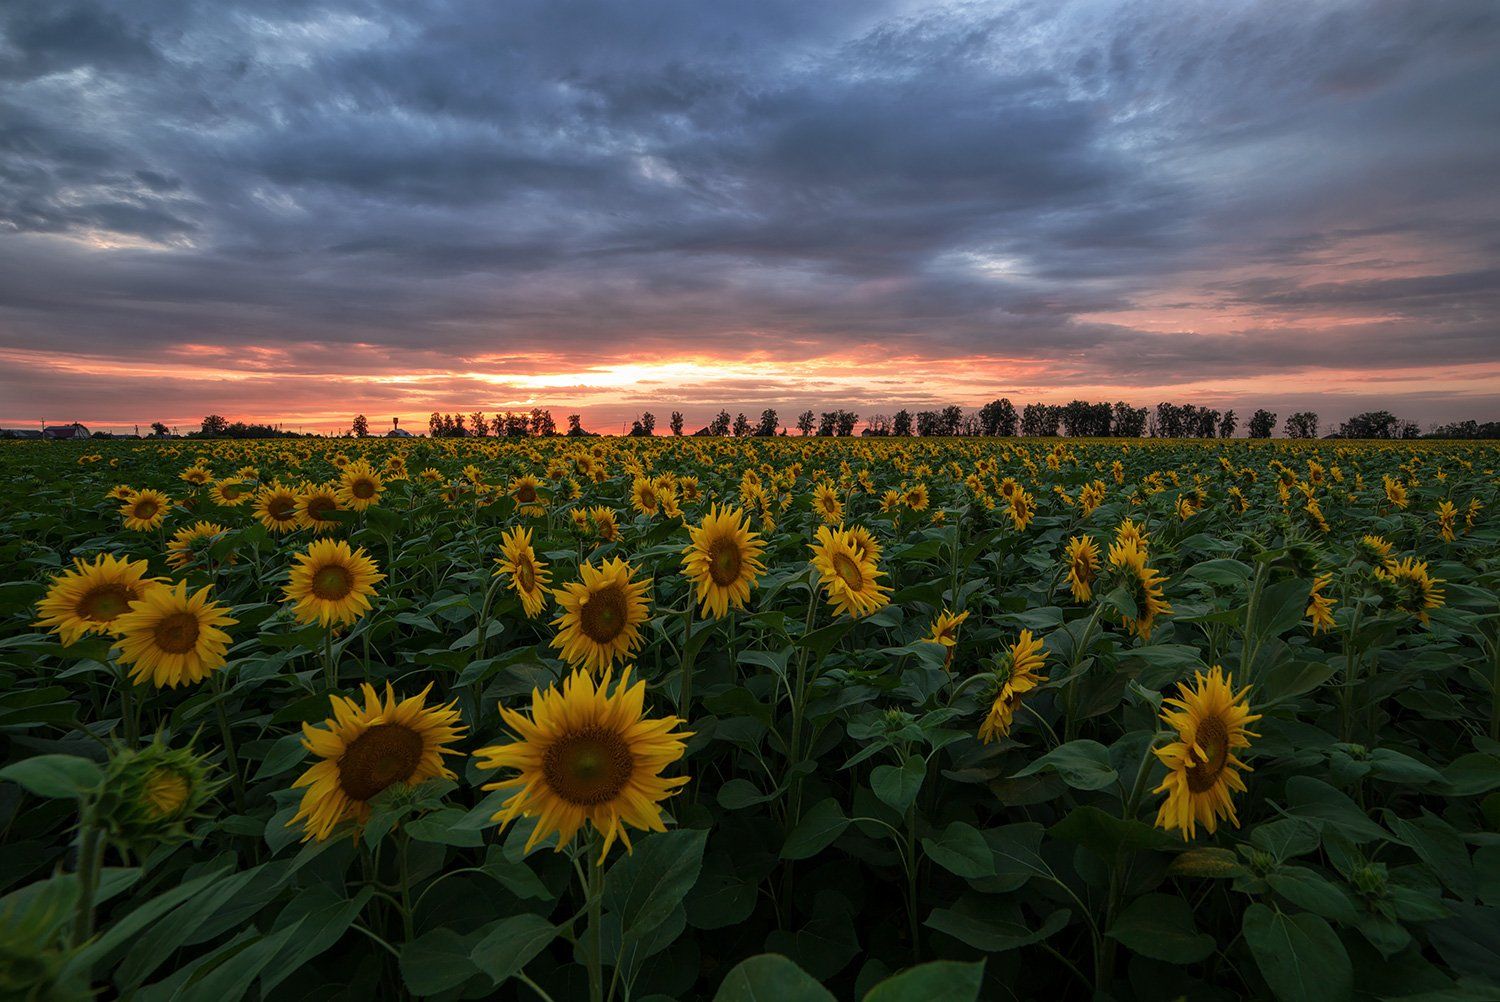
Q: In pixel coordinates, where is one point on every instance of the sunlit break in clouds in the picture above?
(295, 212)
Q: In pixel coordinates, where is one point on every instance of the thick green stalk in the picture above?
(90, 860)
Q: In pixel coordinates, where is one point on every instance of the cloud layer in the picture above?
(296, 210)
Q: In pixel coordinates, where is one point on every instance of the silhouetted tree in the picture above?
(648, 422)
(542, 423)
(878, 424)
(214, 424)
(360, 426)
(767, 425)
(1127, 421)
(741, 425)
(1040, 419)
(1262, 423)
(901, 423)
(480, 424)
(1303, 424)
(160, 430)
(720, 424)
(844, 424)
(949, 420)
(806, 421)
(575, 426)
(676, 423)
(1378, 424)
(1227, 424)
(927, 423)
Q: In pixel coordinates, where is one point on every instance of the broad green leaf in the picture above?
(961, 849)
(938, 981)
(58, 776)
(770, 977)
(1083, 765)
(898, 786)
(1299, 956)
(644, 887)
(512, 944)
(817, 830)
(1160, 926)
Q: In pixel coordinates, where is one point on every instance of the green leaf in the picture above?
(1315, 799)
(898, 786)
(1111, 838)
(1299, 955)
(1289, 679)
(1206, 861)
(1280, 608)
(1082, 764)
(231, 979)
(512, 944)
(1308, 890)
(770, 977)
(938, 981)
(322, 922)
(1160, 926)
(645, 887)
(57, 776)
(980, 922)
(961, 849)
(438, 961)
(737, 794)
(817, 830)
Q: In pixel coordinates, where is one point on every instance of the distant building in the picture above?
(65, 432)
(396, 430)
(19, 433)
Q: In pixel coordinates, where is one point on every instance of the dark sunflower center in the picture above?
(588, 767)
(177, 633)
(648, 499)
(526, 493)
(1213, 738)
(282, 509)
(320, 506)
(848, 571)
(332, 583)
(724, 561)
(232, 491)
(105, 602)
(363, 489)
(382, 755)
(145, 509)
(602, 617)
(526, 574)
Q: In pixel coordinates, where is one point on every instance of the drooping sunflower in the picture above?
(827, 504)
(121, 492)
(170, 637)
(276, 507)
(1017, 672)
(945, 628)
(1082, 555)
(1395, 492)
(1374, 549)
(314, 502)
(1203, 772)
(1410, 587)
(601, 615)
(850, 581)
(1145, 586)
(146, 510)
(1129, 533)
(364, 750)
(360, 486)
(529, 576)
(604, 523)
(197, 475)
(587, 756)
(644, 496)
(723, 560)
(231, 492)
(1022, 509)
(191, 543)
(1320, 606)
(92, 596)
(332, 583)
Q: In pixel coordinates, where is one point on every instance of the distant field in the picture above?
(1035, 717)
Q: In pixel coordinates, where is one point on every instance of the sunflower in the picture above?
(586, 755)
(276, 507)
(314, 502)
(191, 543)
(121, 492)
(359, 486)
(1395, 492)
(171, 637)
(915, 497)
(1082, 555)
(945, 631)
(1022, 508)
(723, 560)
(528, 575)
(1202, 769)
(605, 524)
(146, 510)
(849, 579)
(602, 615)
(827, 504)
(331, 583)
(1446, 513)
(1144, 584)
(1410, 587)
(1130, 534)
(1185, 508)
(524, 490)
(1017, 673)
(364, 750)
(643, 494)
(231, 492)
(91, 597)
(197, 475)
(1320, 606)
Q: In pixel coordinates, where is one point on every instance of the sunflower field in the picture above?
(787, 719)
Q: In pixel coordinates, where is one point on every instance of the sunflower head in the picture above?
(314, 504)
(1144, 584)
(827, 504)
(276, 508)
(331, 583)
(587, 756)
(92, 596)
(1082, 556)
(528, 575)
(363, 750)
(850, 580)
(173, 637)
(190, 545)
(359, 486)
(150, 794)
(145, 511)
(723, 560)
(231, 492)
(1408, 586)
(1203, 772)
(1016, 672)
(602, 614)
(945, 628)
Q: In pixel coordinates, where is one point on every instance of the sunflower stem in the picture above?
(330, 670)
(595, 949)
(231, 758)
(407, 929)
(685, 693)
(128, 714)
(90, 859)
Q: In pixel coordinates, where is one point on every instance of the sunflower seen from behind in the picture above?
(190, 544)
(92, 596)
(723, 560)
(529, 577)
(1203, 772)
(601, 616)
(1017, 672)
(587, 756)
(332, 584)
(173, 637)
(145, 511)
(1409, 586)
(363, 750)
(1144, 584)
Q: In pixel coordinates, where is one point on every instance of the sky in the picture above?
(294, 212)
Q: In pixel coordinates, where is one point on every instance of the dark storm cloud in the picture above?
(1012, 180)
